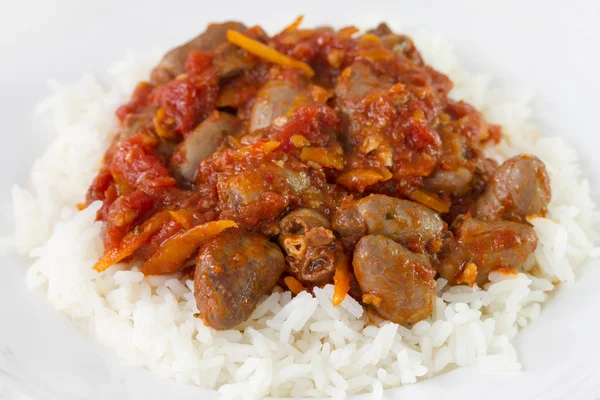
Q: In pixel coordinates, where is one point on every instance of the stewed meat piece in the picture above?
(455, 172)
(173, 63)
(399, 44)
(201, 143)
(400, 220)
(302, 220)
(462, 130)
(356, 81)
(278, 98)
(479, 247)
(399, 283)
(230, 60)
(352, 86)
(451, 181)
(519, 188)
(234, 270)
(310, 245)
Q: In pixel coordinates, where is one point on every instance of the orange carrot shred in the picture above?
(293, 284)
(299, 141)
(132, 241)
(359, 179)
(430, 200)
(171, 255)
(341, 279)
(348, 31)
(269, 146)
(323, 156)
(294, 25)
(261, 50)
(184, 218)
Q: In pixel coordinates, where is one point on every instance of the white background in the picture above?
(552, 47)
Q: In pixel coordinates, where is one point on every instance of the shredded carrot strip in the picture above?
(294, 25)
(430, 200)
(132, 241)
(323, 156)
(348, 31)
(185, 218)
(369, 40)
(386, 174)
(269, 146)
(81, 206)
(299, 141)
(261, 50)
(320, 94)
(377, 54)
(293, 284)
(174, 251)
(341, 279)
(359, 179)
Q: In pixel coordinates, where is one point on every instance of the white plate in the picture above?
(547, 46)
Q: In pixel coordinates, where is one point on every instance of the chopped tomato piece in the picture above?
(138, 100)
(188, 99)
(197, 61)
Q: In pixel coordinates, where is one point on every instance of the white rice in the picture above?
(289, 347)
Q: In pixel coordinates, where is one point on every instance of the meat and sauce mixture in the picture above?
(312, 157)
